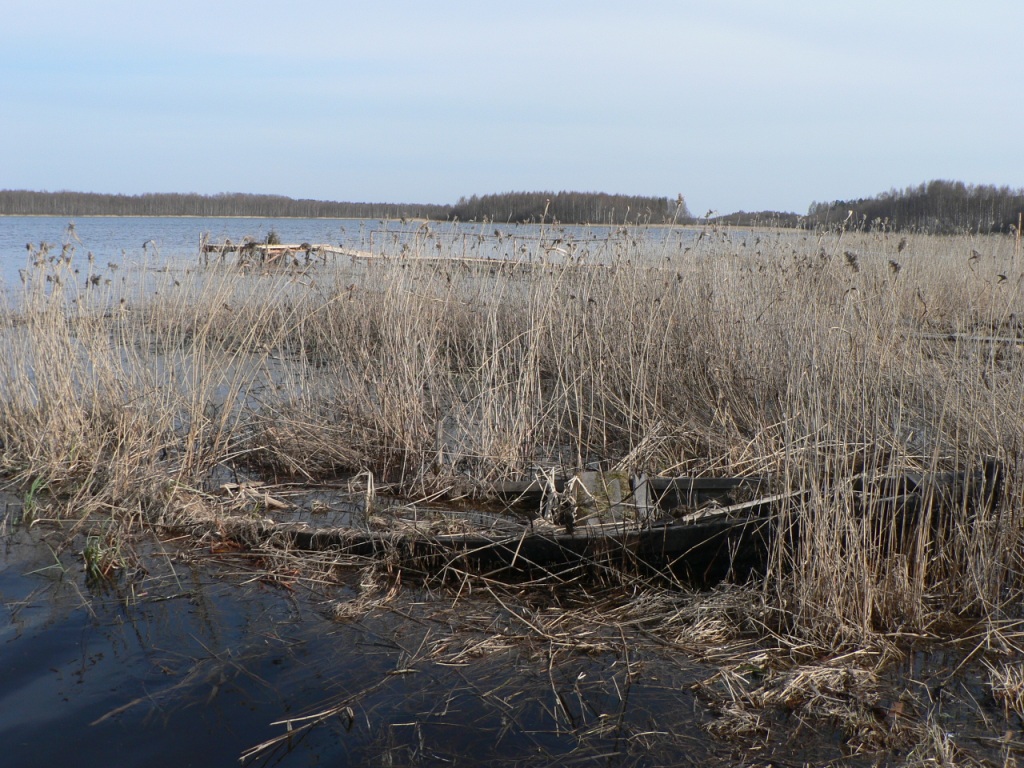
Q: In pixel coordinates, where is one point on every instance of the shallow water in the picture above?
(188, 673)
(191, 658)
(191, 662)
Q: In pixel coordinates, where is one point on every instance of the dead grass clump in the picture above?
(294, 441)
(842, 694)
(378, 585)
(1007, 681)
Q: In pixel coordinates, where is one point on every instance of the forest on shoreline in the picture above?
(509, 207)
(936, 207)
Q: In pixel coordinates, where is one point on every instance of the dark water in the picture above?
(189, 662)
(188, 674)
(192, 657)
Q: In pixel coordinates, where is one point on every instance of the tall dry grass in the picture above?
(816, 359)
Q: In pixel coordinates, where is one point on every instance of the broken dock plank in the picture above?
(269, 253)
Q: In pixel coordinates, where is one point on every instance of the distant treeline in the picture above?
(567, 207)
(24, 203)
(571, 208)
(760, 219)
(936, 206)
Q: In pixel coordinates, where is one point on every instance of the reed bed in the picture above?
(812, 358)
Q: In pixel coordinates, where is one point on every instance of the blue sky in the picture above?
(734, 104)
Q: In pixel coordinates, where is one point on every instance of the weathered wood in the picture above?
(276, 249)
(731, 541)
(593, 491)
(229, 247)
(671, 493)
(701, 546)
(270, 254)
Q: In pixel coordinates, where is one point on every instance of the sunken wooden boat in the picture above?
(698, 530)
(694, 529)
(729, 541)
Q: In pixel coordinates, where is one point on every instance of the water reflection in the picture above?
(199, 658)
(193, 662)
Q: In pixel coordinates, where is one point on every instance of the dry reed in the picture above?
(774, 353)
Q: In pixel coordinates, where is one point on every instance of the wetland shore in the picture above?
(208, 401)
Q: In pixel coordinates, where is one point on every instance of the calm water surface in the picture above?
(160, 240)
(154, 241)
(191, 662)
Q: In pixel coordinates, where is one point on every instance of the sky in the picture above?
(735, 104)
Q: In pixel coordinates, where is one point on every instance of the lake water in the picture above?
(175, 240)
(111, 237)
(162, 239)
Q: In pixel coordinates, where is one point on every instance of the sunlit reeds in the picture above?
(812, 359)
